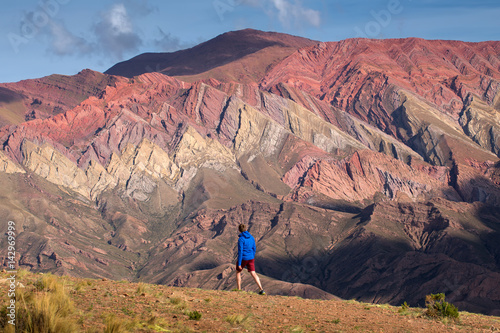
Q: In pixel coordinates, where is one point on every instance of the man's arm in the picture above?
(240, 251)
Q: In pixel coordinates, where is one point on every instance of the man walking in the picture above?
(246, 257)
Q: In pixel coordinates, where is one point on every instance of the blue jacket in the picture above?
(246, 247)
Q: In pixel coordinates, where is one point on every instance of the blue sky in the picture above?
(42, 37)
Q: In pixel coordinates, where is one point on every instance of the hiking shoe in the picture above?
(262, 292)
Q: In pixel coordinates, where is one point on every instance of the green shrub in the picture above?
(404, 308)
(194, 315)
(438, 307)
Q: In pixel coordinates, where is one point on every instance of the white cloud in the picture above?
(115, 33)
(118, 20)
(290, 14)
(294, 13)
(63, 42)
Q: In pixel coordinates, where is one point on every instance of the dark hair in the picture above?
(242, 227)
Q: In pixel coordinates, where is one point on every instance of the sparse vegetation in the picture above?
(82, 284)
(122, 311)
(155, 321)
(438, 307)
(194, 315)
(175, 300)
(234, 319)
(179, 303)
(237, 319)
(128, 312)
(47, 282)
(114, 325)
(182, 306)
(45, 308)
(141, 288)
(21, 273)
(404, 308)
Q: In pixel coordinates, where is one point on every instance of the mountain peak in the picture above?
(215, 53)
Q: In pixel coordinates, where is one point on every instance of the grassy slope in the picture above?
(153, 308)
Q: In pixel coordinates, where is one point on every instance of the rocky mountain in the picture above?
(48, 96)
(365, 169)
(450, 87)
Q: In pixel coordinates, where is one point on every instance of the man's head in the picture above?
(242, 227)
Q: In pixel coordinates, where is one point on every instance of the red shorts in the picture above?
(249, 264)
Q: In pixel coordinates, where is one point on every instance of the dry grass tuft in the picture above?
(114, 325)
(45, 308)
(238, 319)
(142, 288)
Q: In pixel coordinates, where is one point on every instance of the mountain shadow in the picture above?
(216, 52)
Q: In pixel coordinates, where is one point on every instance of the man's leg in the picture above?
(256, 279)
(238, 280)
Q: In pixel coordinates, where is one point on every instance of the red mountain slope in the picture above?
(451, 87)
(441, 72)
(54, 94)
